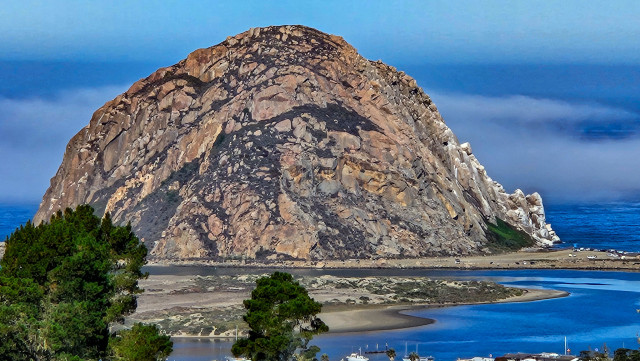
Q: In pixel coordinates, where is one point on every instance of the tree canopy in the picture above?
(140, 343)
(625, 354)
(282, 320)
(64, 283)
(391, 354)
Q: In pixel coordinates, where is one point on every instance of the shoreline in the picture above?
(369, 318)
(374, 318)
(172, 289)
(588, 260)
(380, 317)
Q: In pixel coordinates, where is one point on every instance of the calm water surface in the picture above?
(601, 309)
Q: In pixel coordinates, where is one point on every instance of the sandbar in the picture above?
(370, 318)
(187, 299)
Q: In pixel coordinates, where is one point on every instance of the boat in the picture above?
(232, 358)
(386, 348)
(357, 357)
(420, 358)
(406, 354)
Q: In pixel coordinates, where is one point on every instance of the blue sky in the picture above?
(547, 92)
(415, 32)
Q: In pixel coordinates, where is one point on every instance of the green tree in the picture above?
(141, 343)
(324, 357)
(593, 356)
(414, 356)
(625, 354)
(282, 320)
(621, 354)
(63, 283)
(391, 354)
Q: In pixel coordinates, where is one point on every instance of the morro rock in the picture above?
(285, 143)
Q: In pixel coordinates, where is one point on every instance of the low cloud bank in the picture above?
(539, 145)
(528, 111)
(34, 133)
(528, 143)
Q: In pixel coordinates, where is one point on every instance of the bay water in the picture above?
(601, 307)
(599, 312)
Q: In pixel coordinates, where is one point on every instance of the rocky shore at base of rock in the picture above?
(525, 259)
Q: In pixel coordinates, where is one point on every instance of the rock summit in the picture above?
(284, 143)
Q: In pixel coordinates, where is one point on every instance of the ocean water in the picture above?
(13, 215)
(601, 225)
(604, 225)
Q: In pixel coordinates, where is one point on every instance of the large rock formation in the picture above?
(284, 142)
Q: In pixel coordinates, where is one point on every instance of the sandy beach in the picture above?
(381, 317)
(373, 318)
(196, 301)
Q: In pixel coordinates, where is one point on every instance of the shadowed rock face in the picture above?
(284, 142)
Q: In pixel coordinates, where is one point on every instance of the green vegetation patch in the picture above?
(283, 320)
(195, 320)
(505, 238)
(64, 284)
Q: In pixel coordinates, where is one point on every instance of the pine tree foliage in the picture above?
(64, 283)
(282, 320)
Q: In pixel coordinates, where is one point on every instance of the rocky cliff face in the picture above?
(284, 142)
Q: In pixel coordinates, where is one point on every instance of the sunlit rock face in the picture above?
(285, 143)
